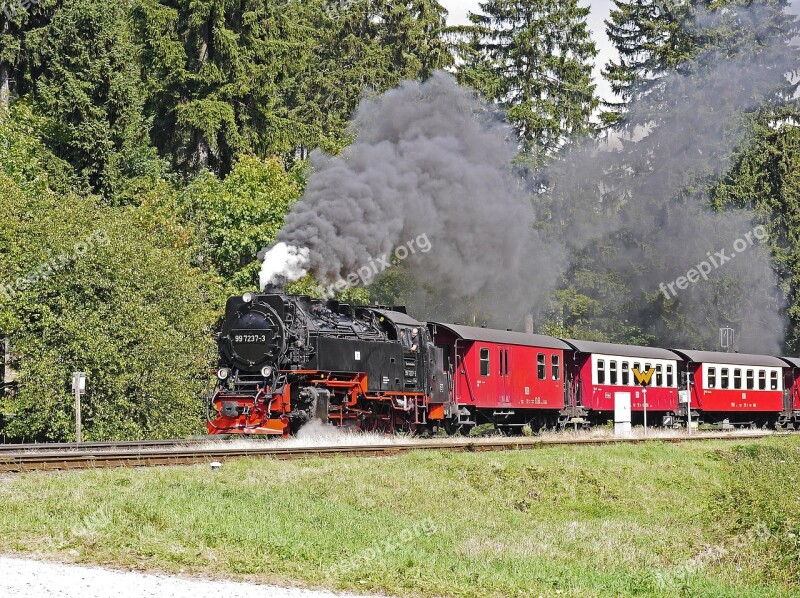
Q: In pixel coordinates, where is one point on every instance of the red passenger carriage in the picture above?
(598, 371)
(511, 379)
(791, 398)
(735, 388)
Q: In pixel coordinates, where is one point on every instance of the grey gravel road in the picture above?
(26, 578)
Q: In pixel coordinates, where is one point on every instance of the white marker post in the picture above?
(79, 388)
(622, 414)
(685, 397)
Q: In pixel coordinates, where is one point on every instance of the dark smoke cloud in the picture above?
(428, 159)
(431, 159)
(648, 199)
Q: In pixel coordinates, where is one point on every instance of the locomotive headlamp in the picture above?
(223, 373)
(249, 297)
(266, 371)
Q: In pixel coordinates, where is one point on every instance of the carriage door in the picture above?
(504, 382)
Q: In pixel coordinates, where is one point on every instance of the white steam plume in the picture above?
(283, 263)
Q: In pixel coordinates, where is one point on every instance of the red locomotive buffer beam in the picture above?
(263, 414)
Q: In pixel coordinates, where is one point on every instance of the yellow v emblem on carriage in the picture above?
(643, 378)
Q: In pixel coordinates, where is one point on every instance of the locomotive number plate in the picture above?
(251, 338)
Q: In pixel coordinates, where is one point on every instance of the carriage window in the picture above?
(540, 369)
(762, 379)
(638, 368)
(659, 375)
(737, 378)
(555, 366)
(601, 371)
(751, 380)
(670, 376)
(612, 372)
(773, 380)
(484, 362)
(626, 373)
(723, 377)
(712, 378)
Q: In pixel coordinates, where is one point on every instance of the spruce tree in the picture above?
(275, 77)
(535, 59)
(651, 39)
(219, 74)
(82, 72)
(369, 46)
(16, 20)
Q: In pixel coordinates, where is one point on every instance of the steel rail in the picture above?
(36, 461)
(109, 444)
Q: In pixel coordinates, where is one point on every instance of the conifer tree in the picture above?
(81, 69)
(16, 19)
(535, 59)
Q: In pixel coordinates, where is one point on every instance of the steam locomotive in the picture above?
(287, 360)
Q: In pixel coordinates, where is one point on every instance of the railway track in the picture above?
(92, 446)
(149, 456)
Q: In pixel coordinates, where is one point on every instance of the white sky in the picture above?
(600, 9)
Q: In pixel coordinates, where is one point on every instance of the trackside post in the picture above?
(78, 387)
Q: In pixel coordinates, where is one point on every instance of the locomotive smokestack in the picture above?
(274, 289)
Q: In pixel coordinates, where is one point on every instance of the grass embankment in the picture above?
(708, 519)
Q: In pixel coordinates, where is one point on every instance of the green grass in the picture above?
(703, 519)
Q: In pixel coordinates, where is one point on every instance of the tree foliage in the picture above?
(86, 287)
(236, 217)
(158, 144)
(535, 59)
(82, 72)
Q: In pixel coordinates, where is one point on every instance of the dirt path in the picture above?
(26, 578)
